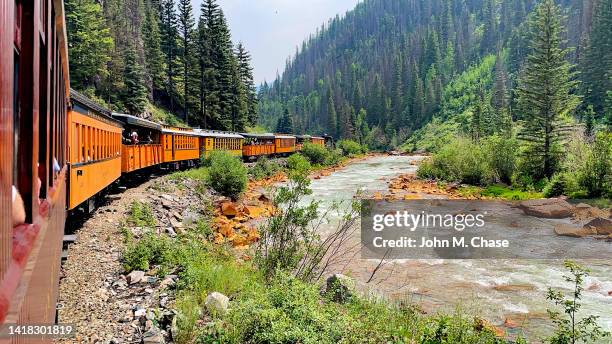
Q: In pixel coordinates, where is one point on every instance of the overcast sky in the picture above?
(271, 29)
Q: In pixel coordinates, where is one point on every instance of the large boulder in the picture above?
(572, 231)
(552, 208)
(217, 303)
(601, 225)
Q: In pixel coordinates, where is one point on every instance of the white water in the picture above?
(498, 289)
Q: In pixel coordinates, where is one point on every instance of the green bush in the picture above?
(561, 184)
(151, 249)
(227, 174)
(264, 168)
(351, 148)
(595, 175)
(316, 154)
(298, 163)
(141, 215)
(459, 161)
(500, 153)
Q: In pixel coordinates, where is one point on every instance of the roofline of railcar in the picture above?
(63, 42)
(218, 133)
(136, 121)
(284, 136)
(258, 136)
(98, 111)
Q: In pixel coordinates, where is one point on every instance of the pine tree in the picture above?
(135, 94)
(154, 57)
(246, 77)
(239, 105)
(89, 42)
(597, 62)
(209, 94)
(285, 123)
(169, 38)
(186, 28)
(222, 53)
(589, 122)
(332, 121)
(544, 96)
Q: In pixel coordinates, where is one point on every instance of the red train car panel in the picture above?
(34, 95)
(94, 149)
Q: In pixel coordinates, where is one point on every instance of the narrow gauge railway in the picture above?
(59, 151)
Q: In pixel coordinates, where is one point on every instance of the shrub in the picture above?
(316, 154)
(459, 161)
(152, 249)
(351, 148)
(595, 176)
(264, 168)
(227, 174)
(141, 215)
(500, 153)
(298, 163)
(561, 184)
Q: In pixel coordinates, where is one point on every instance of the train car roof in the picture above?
(217, 133)
(136, 121)
(179, 132)
(97, 111)
(283, 136)
(303, 136)
(258, 136)
(318, 137)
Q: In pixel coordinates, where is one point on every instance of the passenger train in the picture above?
(59, 150)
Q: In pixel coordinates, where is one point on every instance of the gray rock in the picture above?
(171, 232)
(167, 197)
(153, 336)
(140, 313)
(217, 303)
(135, 276)
(190, 217)
(340, 288)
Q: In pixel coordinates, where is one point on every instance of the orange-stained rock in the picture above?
(510, 323)
(226, 230)
(228, 209)
(253, 211)
(377, 196)
(218, 238)
(482, 324)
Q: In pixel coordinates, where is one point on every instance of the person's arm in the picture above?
(18, 208)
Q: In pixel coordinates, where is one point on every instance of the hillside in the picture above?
(388, 67)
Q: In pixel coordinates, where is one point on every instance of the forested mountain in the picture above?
(128, 53)
(389, 67)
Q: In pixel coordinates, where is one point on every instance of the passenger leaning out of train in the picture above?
(134, 137)
(149, 140)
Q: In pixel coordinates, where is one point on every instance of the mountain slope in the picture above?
(395, 59)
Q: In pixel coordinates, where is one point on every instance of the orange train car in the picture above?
(212, 140)
(34, 95)
(94, 150)
(256, 145)
(181, 145)
(284, 144)
(317, 140)
(141, 143)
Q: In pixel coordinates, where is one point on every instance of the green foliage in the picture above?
(351, 148)
(285, 123)
(264, 168)
(89, 42)
(297, 163)
(227, 174)
(197, 174)
(544, 93)
(500, 154)
(570, 328)
(459, 161)
(141, 215)
(563, 183)
(595, 175)
(135, 94)
(509, 193)
(433, 136)
(151, 249)
(316, 154)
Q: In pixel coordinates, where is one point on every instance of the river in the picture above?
(509, 293)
